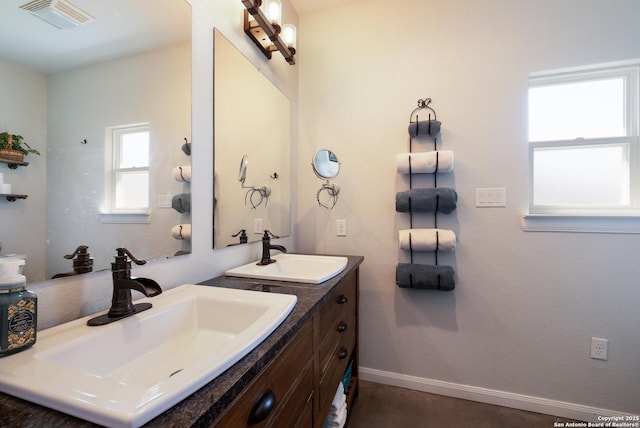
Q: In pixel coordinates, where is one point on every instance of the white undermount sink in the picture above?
(304, 268)
(125, 373)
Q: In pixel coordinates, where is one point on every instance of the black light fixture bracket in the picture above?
(265, 35)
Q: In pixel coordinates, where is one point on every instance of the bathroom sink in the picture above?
(294, 268)
(126, 373)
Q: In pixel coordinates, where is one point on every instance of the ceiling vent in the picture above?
(59, 13)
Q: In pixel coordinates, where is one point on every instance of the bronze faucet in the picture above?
(267, 247)
(121, 302)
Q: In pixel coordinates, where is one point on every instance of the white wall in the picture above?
(526, 304)
(69, 298)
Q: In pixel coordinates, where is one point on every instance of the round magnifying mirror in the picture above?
(242, 172)
(325, 164)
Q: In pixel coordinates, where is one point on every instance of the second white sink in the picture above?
(303, 268)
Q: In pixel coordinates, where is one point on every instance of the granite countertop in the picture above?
(204, 406)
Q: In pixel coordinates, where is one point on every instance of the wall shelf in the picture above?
(13, 164)
(12, 197)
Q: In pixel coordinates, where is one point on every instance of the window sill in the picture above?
(580, 224)
(125, 218)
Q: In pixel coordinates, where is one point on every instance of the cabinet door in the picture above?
(280, 392)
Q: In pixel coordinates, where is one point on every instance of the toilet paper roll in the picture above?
(182, 173)
(181, 232)
(5, 188)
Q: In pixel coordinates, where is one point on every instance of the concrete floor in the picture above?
(383, 406)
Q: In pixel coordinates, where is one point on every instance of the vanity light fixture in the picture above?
(263, 26)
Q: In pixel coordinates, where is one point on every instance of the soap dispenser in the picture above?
(18, 309)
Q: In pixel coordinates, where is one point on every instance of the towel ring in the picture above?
(332, 190)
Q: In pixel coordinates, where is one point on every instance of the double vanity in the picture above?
(231, 351)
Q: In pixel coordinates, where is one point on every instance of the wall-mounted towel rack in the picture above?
(425, 200)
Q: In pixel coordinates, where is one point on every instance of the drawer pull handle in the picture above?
(342, 326)
(342, 299)
(263, 407)
(343, 353)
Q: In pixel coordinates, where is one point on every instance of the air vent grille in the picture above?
(59, 13)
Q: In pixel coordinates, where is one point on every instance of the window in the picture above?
(583, 141)
(127, 172)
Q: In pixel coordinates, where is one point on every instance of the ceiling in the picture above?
(309, 6)
(121, 27)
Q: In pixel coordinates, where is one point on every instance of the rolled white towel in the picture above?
(425, 239)
(339, 393)
(182, 232)
(338, 403)
(425, 162)
(339, 418)
(182, 173)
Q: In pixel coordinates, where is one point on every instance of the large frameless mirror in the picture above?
(252, 124)
(80, 95)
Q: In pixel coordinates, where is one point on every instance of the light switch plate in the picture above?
(491, 197)
(164, 201)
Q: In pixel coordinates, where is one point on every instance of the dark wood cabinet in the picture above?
(296, 389)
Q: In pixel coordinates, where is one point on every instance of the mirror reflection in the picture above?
(108, 104)
(252, 123)
(325, 164)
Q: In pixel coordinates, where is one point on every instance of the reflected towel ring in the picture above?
(181, 176)
(181, 237)
(261, 192)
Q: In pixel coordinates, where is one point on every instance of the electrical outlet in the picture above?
(257, 225)
(341, 227)
(599, 348)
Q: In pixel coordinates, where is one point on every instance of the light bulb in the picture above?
(289, 35)
(273, 10)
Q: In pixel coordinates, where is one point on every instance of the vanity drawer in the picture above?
(341, 306)
(341, 336)
(288, 379)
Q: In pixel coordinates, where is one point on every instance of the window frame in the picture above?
(113, 140)
(630, 72)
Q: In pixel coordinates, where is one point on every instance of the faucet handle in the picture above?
(267, 234)
(122, 256)
(82, 249)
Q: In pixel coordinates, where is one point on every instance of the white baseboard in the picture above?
(489, 396)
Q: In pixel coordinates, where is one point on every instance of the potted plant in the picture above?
(14, 148)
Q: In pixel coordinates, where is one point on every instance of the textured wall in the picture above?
(526, 304)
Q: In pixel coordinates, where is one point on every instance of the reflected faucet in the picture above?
(121, 303)
(267, 247)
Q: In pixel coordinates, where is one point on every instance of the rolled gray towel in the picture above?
(444, 199)
(424, 128)
(425, 277)
(181, 202)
